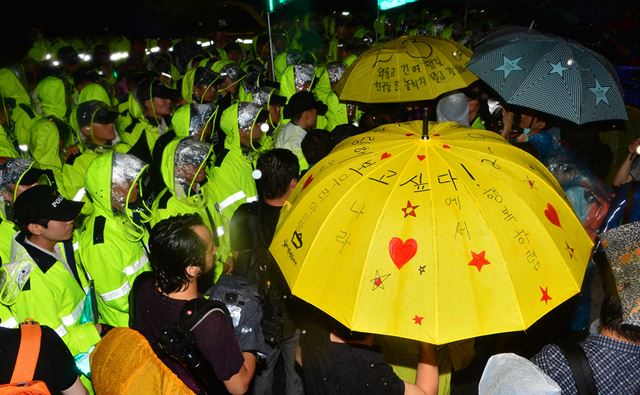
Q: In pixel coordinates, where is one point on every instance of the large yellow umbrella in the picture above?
(406, 69)
(435, 239)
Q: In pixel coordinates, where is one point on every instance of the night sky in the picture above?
(153, 18)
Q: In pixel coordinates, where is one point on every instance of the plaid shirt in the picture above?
(615, 365)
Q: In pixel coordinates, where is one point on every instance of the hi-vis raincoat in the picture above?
(23, 114)
(51, 129)
(111, 255)
(230, 178)
(39, 286)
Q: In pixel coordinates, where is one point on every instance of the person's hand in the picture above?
(633, 147)
(507, 123)
(507, 119)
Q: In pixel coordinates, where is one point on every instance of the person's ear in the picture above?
(35, 229)
(293, 183)
(193, 271)
(540, 124)
(85, 130)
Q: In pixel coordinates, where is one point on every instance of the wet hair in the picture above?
(315, 145)
(173, 246)
(278, 167)
(611, 317)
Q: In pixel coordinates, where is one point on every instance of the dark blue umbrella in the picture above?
(550, 74)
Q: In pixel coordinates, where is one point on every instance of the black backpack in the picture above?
(179, 343)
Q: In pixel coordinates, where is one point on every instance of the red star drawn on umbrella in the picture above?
(410, 210)
(378, 280)
(417, 319)
(478, 260)
(545, 295)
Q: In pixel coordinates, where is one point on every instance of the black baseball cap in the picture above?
(94, 111)
(301, 102)
(152, 87)
(44, 202)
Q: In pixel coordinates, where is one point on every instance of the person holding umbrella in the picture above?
(336, 360)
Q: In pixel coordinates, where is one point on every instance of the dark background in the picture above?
(176, 18)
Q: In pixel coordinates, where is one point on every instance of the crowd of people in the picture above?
(135, 191)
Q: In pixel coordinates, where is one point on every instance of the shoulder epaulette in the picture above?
(98, 229)
(28, 110)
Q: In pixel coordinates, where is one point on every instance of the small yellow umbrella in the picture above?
(406, 69)
(435, 239)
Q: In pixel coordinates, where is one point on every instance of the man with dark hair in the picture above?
(181, 251)
(155, 101)
(610, 360)
(613, 356)
(316, 145)
(303, 110)
(252, 228)
(44, 279)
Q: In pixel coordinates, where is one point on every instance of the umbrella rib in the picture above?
(379, 219)
(484, 214)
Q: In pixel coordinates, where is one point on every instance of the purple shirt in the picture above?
(214, 336)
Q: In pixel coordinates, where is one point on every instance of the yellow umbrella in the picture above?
(435, 239)
(406, 69)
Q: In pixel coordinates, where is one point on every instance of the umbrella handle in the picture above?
(425, 126)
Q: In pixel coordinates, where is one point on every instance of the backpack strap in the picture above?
(196, 310)
(580, 369)
(30, 334)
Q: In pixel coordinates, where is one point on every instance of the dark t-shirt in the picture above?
(55, 366)
(214, 336)
(335, 368)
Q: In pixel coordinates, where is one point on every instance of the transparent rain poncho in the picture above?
(231, 71)
(15, 172)
(262, 95)
(200, 115)
(336, 71)
(303, 75)
(293, 57)
(511, 374)
(247, 114)
(189, 159)
(131, 192)
(12, 171)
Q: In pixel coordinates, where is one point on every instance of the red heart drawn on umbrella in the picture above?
(409, 134)
(385, 156)
(402, 251)
(552, 215)
(421, 157)
(445, 146)
(307, 181)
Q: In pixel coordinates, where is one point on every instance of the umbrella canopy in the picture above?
(439, 239)
(550, 74)
(406, 69)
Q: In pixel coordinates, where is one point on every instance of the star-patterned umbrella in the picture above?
(550, 74)
(435, 239)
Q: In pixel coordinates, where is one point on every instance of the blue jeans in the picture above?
(263, 381)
